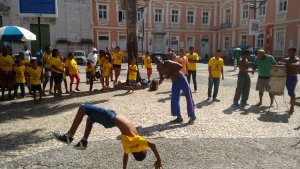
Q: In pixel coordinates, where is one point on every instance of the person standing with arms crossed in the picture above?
(117, 62)
(215, 68)
(193, 59)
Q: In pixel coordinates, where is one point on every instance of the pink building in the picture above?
(205, 24)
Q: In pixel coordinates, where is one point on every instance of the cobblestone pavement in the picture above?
(222, 136)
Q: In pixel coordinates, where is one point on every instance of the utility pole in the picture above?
(253, 5)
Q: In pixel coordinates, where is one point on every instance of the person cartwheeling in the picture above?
(131, 141)
(171, 70)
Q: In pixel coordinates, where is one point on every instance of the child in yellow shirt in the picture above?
(19, 70)
(132, 75)
(35, 73)
(90, 74)
(106, 69)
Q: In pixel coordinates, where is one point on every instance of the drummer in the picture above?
(263, 63)
(292, 64)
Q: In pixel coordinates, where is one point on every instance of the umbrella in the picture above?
(15, 33)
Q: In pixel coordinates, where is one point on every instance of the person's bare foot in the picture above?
(291, 111)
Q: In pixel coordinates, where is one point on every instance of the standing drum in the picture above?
(277, 79)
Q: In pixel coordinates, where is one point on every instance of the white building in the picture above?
(71, 30)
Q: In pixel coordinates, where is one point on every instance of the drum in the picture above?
(277, 79)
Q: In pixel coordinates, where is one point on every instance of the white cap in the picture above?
(94, 50)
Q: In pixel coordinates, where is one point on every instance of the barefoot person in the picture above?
(263, 63)
(133, 69)
(148, 64)
(131, 141)
(292, 69)
(47, 69)
(171, 70)
(35, 73)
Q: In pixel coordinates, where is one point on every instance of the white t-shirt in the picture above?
(27, 54)
(92, 57)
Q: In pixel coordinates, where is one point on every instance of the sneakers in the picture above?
(177, 120)
(81, 145)
(192, 121)
(65, 138)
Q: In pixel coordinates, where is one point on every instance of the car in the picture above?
(80, 57)
(164, 56)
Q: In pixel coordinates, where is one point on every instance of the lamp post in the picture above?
(253, 5)
(141, 9)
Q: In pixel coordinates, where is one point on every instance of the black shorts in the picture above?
(57, 77)
(116, 66)
(35, 88)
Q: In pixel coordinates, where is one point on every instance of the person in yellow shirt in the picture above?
(193, 59)
(100, 61)
(117, 61)
(106, 67)
(57, 67)
(131, 141)
(47, 69)
(133, 69)
(7, 78)
(90, 73)
(19, 70)
(35, 73)
(148, 64)
(72, 70)
(25, 63)
(215, 68)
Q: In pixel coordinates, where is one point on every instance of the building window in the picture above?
(260, 41)
(174, 16)
(190, 17)
(139, 15)
(205, 18)
(158, 15)
(228, 16)
(245, 12)
(122, 42)
(189, 42)
(103, 12)
(262, 10)
(244, 40)
(282, 6)
(280, 40)
(226, 42)
(122, 16)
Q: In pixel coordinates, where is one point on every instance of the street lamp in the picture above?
(253, 5)
(141, 9)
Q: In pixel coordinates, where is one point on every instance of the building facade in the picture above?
(205, 24)
(71, 30)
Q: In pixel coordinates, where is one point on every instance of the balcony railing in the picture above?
(225, 25)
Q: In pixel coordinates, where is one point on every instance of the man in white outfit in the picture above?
(92, 57)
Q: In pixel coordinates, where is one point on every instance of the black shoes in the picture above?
(192, 121)
(65, 138)
(177, 120)
(81, 145)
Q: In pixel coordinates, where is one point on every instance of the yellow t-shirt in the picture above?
(147, 61)
(216, 67)
(46, 59)
(100, 60)
(118, 58)
(192, 66)
(25, 62)
(56, 61)
(90, 70)
(35, 75)
(134, 144)
(132, 75)
(106, 69)
(20, 74)
(72, 66)
(6, 63)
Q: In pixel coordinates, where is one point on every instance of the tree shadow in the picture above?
(163, 100)
(166, 92)
(27, 109)
(122, 94)
(274, 117)
(17, 141)
(151, 130)
(204, 103)
(255, 110)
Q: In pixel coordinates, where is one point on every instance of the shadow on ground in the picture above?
(49, 106)
(151, 130)
(17, 141)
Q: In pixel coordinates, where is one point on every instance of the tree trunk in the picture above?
(132, 44)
